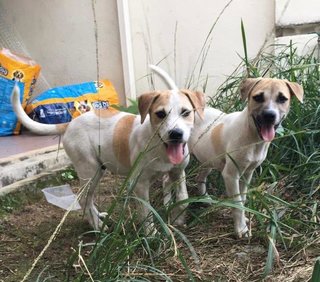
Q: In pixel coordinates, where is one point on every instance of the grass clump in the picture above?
(286, 186)
(283, 199)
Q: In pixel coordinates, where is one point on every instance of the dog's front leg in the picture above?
(231, 179)
(177, 181)
(244, 182)
(167, 193)
(142, 192)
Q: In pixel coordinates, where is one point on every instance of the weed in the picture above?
(287, 184)
(282, 200)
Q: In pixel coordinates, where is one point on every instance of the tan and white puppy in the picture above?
(237, 143)
(109, 139)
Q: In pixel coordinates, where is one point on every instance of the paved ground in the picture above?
(26, 158)
(17, 144)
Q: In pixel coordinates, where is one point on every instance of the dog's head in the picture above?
(268, 102)
(171, 115)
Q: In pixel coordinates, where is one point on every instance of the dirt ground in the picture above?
(26, 228)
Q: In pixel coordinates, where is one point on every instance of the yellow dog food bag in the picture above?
(20, 70)
(64, 103)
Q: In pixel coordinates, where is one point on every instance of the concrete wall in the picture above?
(59, 35)
(299, 21)
(295, 12)
(174, 31)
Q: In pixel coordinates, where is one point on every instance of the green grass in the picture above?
(15, 201)
(286, 186)
(316, 271)
(283, 198)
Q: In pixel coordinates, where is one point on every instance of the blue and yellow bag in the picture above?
(62, 104)
(14, 69)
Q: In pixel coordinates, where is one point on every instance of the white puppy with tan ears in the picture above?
(237, 143)
(109, 139)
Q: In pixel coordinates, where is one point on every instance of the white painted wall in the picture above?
(293, 12)
(297, 12)
(59, 35)
(304, 44)
(174, 31)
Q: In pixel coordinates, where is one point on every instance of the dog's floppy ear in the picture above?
(197, 101)
(247, 86)
(144, 103)
(296, 90)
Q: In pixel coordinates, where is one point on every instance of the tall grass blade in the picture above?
(316, 272)
(272, 251)
(244, 42)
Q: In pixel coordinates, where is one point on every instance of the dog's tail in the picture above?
(165, 76)
(33, 126)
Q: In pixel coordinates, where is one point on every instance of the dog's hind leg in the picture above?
(90, 176)
(201, 181)
(94, 217)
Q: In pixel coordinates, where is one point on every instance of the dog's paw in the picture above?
(103, 215)
(243, 232)
(180, 221)
(97, 219)
(150, 229)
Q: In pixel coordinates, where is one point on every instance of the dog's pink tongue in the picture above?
(267, 133)
(175, 152)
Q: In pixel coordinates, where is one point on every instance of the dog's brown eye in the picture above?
(161, 114)
(281, 98)
(259, 98)
(185, 112)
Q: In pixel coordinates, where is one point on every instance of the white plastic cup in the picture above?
(62, 197)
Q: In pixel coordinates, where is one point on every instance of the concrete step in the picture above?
(29, 165)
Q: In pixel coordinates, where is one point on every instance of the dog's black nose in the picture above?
(175, 134)
(269, 116)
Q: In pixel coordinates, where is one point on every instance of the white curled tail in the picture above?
(165, 76)
(33, 126)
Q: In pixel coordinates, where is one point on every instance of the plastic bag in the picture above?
(62, 104)
(14, 69)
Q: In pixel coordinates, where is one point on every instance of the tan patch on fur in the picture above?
(186, 103)
(106, 113)
(197, 100)
(271, 88)
(121, 137)
(62, 127)
(144, 103)
(162, 102)
(217, 138)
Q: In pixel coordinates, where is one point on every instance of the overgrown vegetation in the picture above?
(283, 199)
(287, 184)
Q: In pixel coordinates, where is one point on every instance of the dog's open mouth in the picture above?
(175, 152)
(266, 131)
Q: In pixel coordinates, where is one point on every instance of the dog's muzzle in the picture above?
(266, 124)
(175, 135)
(175, 146)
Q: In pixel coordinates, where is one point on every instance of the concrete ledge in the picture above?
(28, 182)
(27, 166)
(298, 29)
